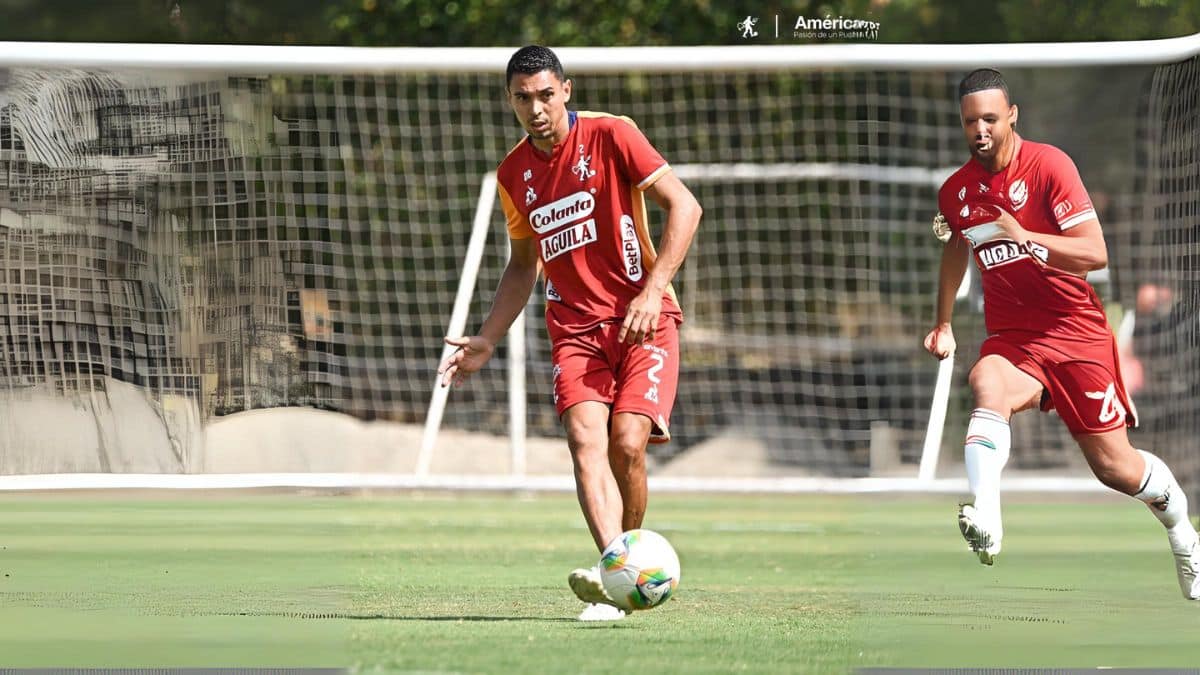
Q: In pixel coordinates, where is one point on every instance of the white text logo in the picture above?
(631, 249)
(579, 234)
(560, 212)
(828, 27)
(1000, 253)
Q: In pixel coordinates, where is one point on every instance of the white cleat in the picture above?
(983, 540)
(1187, 566)
(588, 586)
(601, 612)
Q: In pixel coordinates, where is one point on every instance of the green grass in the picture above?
(474, 583)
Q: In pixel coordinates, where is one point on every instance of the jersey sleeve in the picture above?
(639, 160)
(1069, 200)
(517, 223)
(948, 210)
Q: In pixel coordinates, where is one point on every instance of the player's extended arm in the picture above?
(683, 217)
(1078, 250)
(511, 295)
(956, 254)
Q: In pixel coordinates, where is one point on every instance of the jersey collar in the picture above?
(572, 117)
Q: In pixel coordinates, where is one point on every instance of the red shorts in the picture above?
(634, 378)
(1081, 378)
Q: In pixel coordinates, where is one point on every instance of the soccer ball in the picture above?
(639, 569)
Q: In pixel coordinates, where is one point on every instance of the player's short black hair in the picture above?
(531, 60)
(981, 80)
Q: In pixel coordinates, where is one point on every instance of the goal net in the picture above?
(247, 267)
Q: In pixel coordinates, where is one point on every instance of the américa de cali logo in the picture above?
(746, 27)
(827, 27)
(830, 27)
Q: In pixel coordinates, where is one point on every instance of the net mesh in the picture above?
(197, 247)
(1161, 277)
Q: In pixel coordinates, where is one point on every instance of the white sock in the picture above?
(986, 452)
(1167, 502)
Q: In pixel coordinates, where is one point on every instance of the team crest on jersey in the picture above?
(1018, 194)
(962, 193)
(530, 196)
(581, 168)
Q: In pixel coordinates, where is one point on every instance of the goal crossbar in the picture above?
(319, 59)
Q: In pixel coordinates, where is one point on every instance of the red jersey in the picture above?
(1041, 188)
(584, 205)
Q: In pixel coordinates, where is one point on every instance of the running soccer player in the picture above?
(1022, 210)
(573, 194)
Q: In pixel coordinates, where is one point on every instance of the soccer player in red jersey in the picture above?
(573, 191)
(1022, 211)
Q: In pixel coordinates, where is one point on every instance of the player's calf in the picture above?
(1167, 501)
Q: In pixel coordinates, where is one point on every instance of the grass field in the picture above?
(469, 583)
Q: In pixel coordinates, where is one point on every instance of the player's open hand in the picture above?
(470, 356)
(641, 318)
(940, 341)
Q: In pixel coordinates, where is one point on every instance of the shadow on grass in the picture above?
(390, 617)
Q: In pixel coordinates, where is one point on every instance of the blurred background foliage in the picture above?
(482, 23)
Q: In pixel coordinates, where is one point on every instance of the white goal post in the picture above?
(770, 180)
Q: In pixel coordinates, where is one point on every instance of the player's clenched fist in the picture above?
(470, 356)
(940, 341)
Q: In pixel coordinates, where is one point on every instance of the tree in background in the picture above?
(696, 22)
(486, 23)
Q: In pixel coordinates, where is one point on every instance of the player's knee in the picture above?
(585, 438)
(987, 385)
(628, 447)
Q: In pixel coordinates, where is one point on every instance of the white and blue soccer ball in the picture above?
(640, 570)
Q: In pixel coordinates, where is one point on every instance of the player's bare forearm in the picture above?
(472, 352)
(1080, 250)
(683, 219)
(955, 257)
(512, 293)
